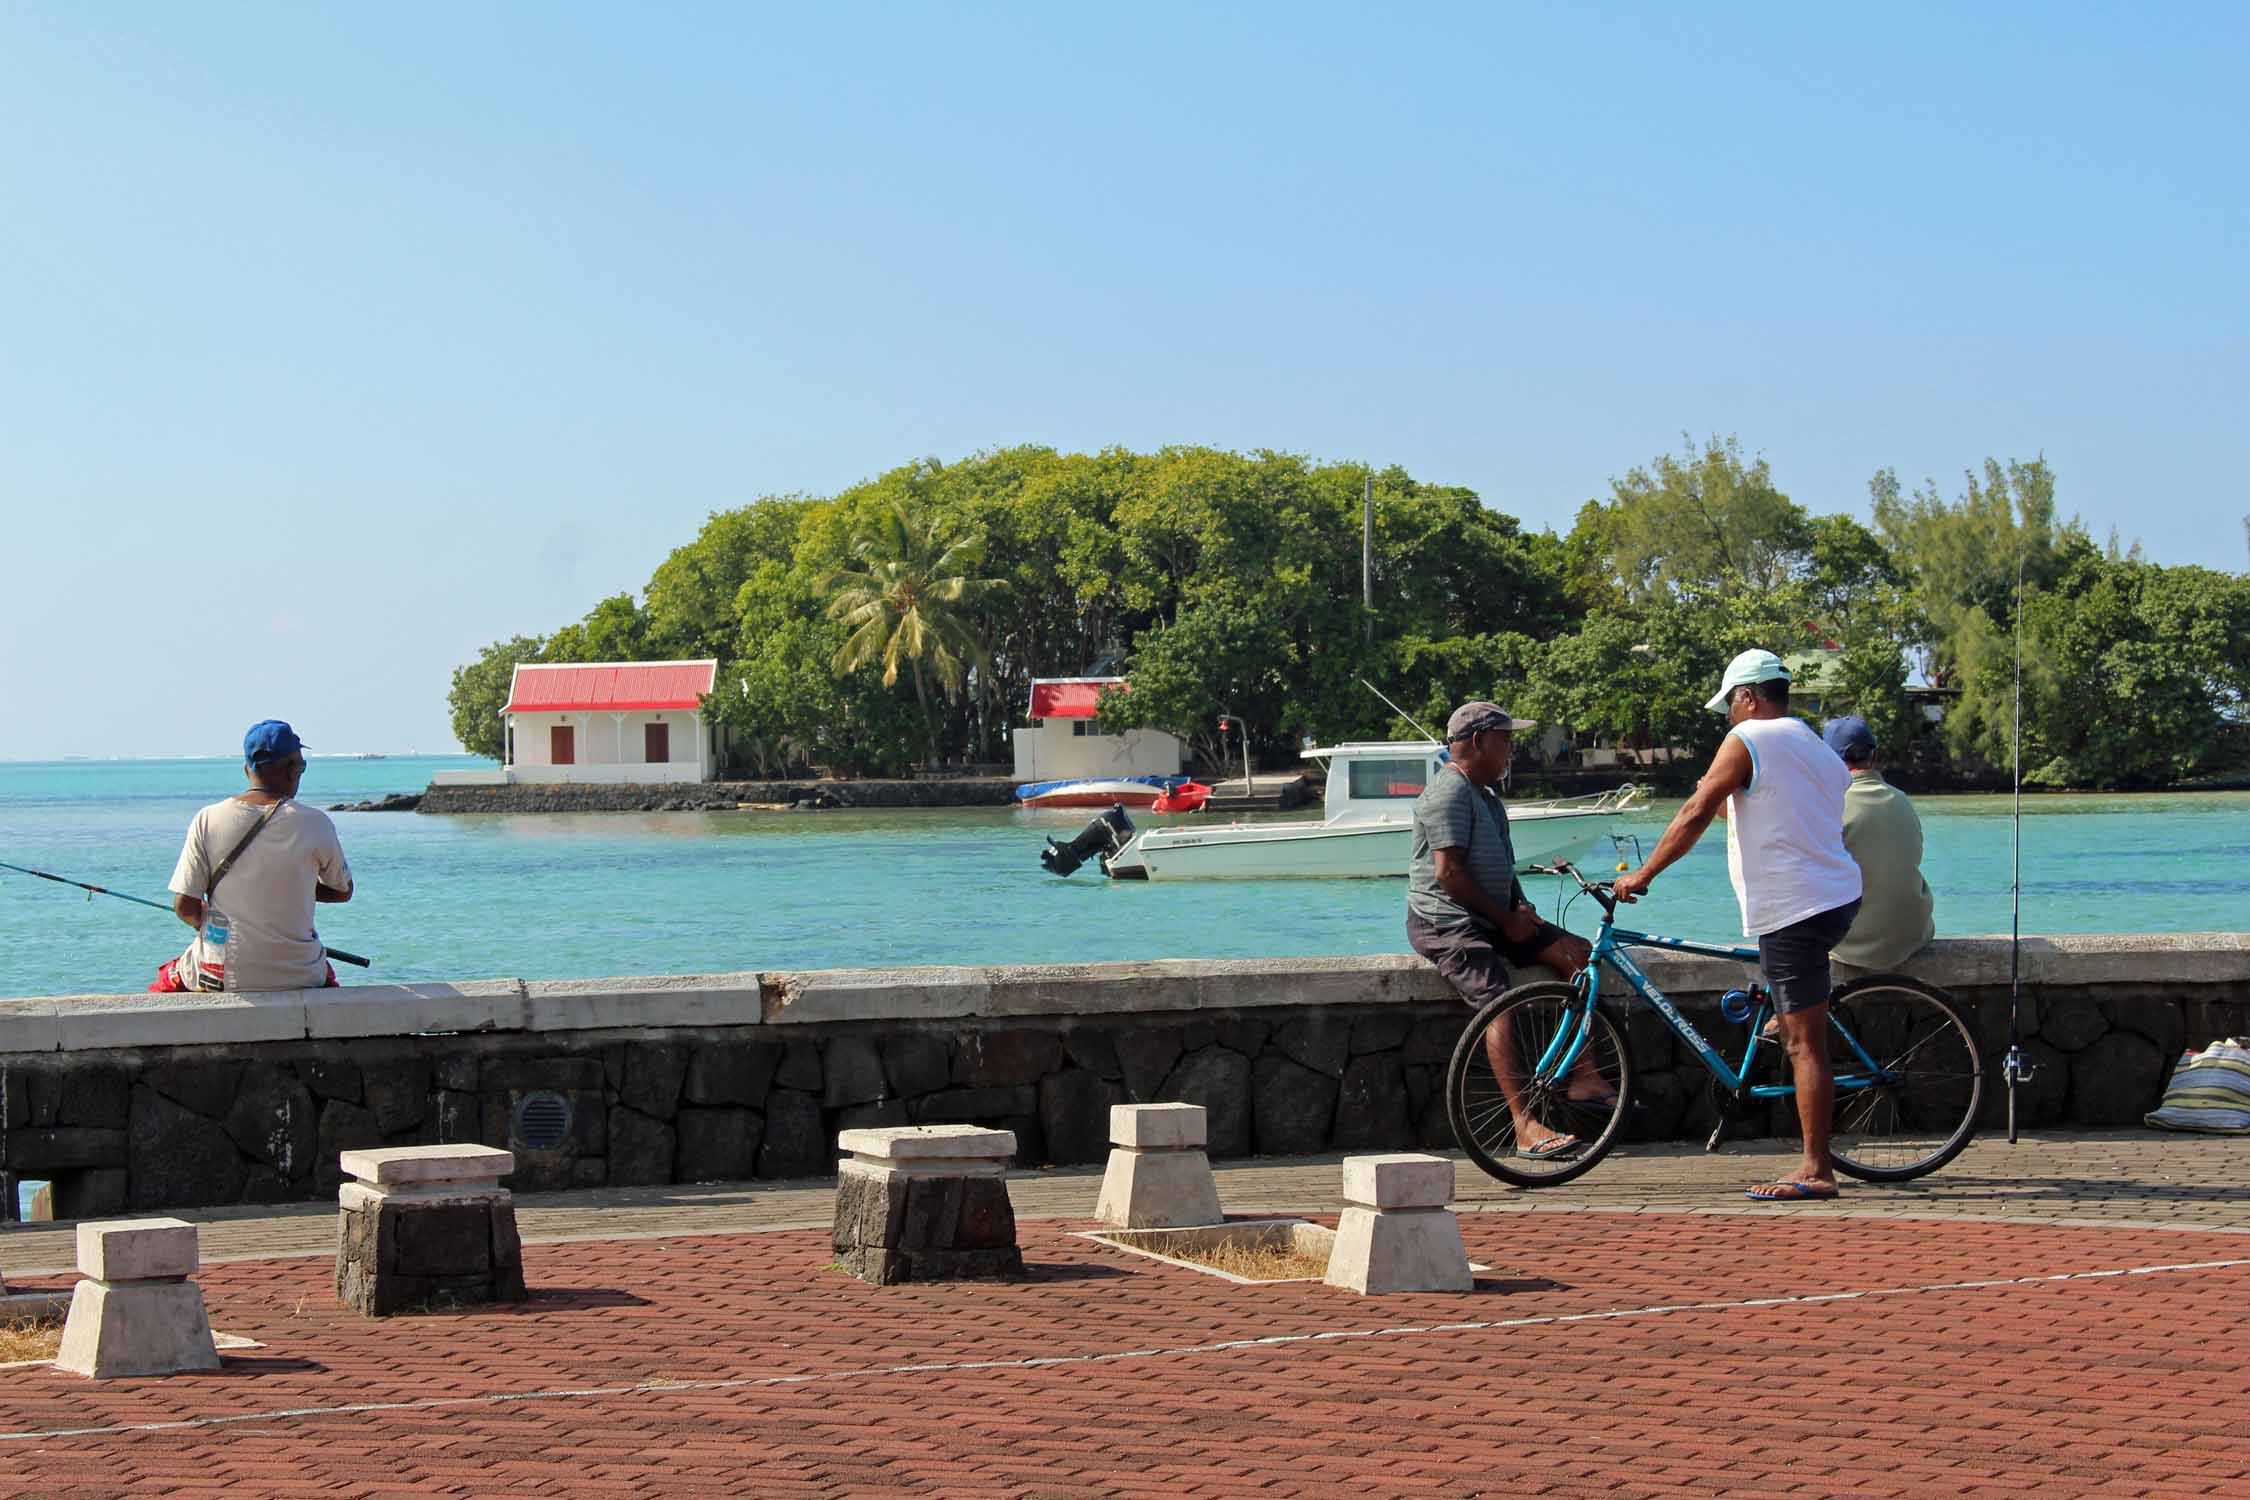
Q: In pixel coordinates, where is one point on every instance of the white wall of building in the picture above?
(1051, 751)
(609, 748)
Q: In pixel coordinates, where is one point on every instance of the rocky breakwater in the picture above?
(394, 802)
(717, 796)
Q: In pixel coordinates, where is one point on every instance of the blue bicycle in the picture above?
(1541, 1083)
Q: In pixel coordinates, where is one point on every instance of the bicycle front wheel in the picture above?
(1918, 1107)
(1539, 1085)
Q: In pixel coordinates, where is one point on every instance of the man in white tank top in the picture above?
(1782, 790)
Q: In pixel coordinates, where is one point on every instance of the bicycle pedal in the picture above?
(1718, 1137)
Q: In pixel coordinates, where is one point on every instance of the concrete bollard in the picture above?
(1158, 1176)
(138, 1314)
(926, 1203)
(423, 1224)
(1397, 1235)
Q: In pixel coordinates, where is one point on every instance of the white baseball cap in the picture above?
(1750, 666)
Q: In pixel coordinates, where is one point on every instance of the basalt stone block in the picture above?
(881, 1114)
(1244, 1034)
(1433, 1041)
(334, 1078)
(917, 1062)
(273, 1119)
(1321, 1043)
(178, 1157)
(1146, 1057)
(94, 1193)
(458, 1070)
(654, 1073)
(64, 1148)
(2116, 1080)
(343, 1127)
(1199, 1034)
(731, 1073)
(398, 1092)
(800, 1068)
(1006, 1059)
(1380, 1032)
(524, 1075)
(1293, 1107)
(1074, 1114)
(15, 1098)
(2160, 1020)
(1219, 1080)
(96, 1098)
(1371, 1104)
(457, 1116)
(795, 1144)
(1094, 1050)
(2071, 1021)
(854, 1073)
(974, 1106)
(205, 1088)
(398, 1256)
(640, 1149)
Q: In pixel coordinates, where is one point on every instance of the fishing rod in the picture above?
(2014, 1070)
(100, 890)
(1394, 708)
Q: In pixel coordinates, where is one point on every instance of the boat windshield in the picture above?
(1370, 780)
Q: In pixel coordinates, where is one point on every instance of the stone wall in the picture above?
(135, 1103)
(718, 796)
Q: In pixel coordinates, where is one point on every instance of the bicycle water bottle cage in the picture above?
(1735, 1005)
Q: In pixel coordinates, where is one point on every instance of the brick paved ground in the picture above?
(736, 1364)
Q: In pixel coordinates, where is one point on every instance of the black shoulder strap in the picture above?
(228, 863)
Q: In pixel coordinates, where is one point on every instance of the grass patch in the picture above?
(1258, 1262)
(26, 1340)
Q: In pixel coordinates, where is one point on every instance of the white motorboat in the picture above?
(1367, 829)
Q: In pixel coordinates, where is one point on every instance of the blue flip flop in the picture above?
(1789, 1192)
(1555, 1145)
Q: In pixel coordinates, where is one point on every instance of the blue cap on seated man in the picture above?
(269, 739)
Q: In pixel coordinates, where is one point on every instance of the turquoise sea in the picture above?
(577, 896)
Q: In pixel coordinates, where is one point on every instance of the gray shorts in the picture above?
(1475, 961)
(1793, 960)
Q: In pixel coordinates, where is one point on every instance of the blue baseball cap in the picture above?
(1848, 735)
(270, 739)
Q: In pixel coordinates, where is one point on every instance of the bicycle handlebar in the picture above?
(1598, 889)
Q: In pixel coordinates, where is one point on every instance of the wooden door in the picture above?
(656, 743)
(562, 745)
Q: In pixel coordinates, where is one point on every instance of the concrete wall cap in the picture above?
(422, 1164)
(1399, 1180)
(1156, 1127)
(406, 1009)
(927, 1142)
(645, 1000)
(137, 1249)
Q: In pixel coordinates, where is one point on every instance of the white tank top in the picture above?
(1785, 830)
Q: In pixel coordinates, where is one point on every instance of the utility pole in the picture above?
(1367, 553)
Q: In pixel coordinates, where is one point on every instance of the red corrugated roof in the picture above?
(615, 687)
(1069, 697)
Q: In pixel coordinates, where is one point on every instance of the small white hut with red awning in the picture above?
(1063, 741)
(610, 722)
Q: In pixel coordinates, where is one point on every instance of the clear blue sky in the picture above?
(336, 341)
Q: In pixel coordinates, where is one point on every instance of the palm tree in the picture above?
(905, 605)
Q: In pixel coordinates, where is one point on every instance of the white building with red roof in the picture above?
(610, 722)
(1064, 741)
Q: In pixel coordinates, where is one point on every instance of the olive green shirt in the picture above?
(1884, 837)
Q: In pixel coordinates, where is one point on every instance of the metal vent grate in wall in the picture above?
(542, 1121)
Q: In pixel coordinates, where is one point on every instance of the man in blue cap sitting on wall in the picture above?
(249, 875)
(1783, 793)
(1884, 836)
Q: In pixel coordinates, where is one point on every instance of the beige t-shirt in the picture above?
(258, 934)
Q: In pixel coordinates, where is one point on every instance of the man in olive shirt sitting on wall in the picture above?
(1465, 911)
(1884, 838)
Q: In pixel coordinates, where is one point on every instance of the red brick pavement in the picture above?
(2127, 1385)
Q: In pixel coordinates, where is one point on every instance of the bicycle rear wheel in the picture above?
(1540, 1063)
(1923, 1110)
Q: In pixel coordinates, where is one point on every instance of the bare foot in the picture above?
(1792, 1190)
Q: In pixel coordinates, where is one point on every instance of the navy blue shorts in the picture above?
(1793, 960)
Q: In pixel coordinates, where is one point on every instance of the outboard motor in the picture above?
(1105, 835)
